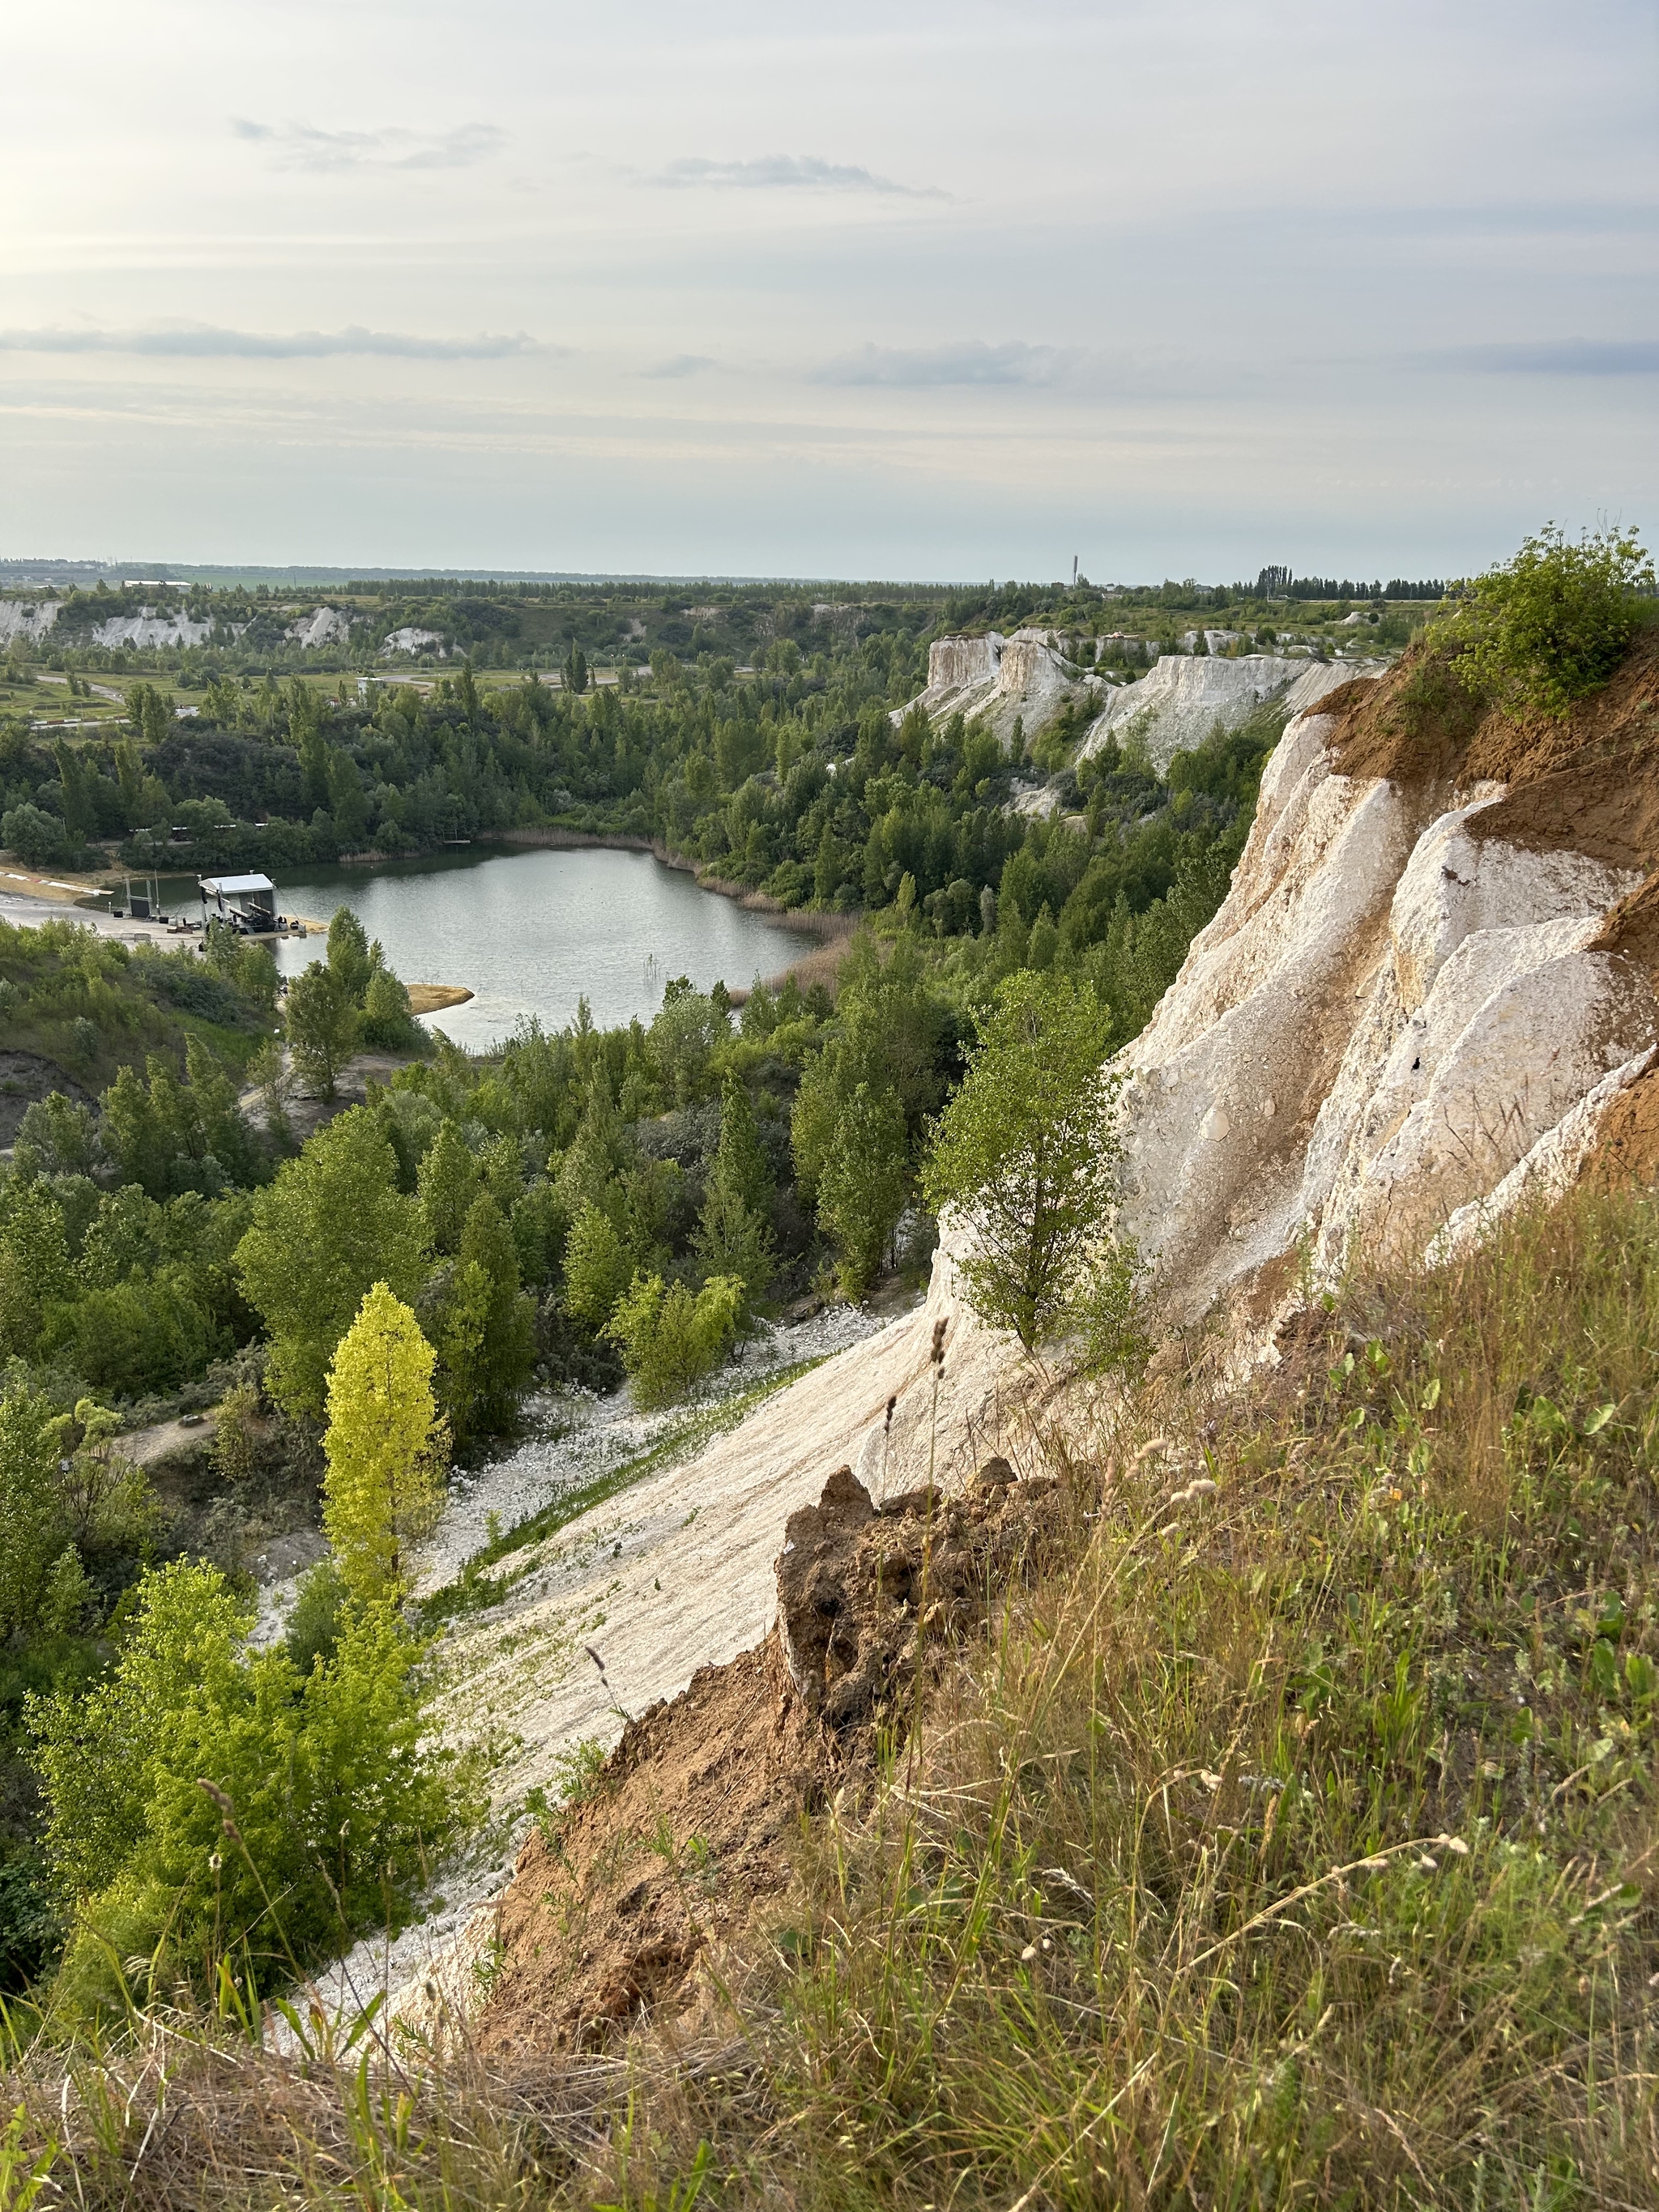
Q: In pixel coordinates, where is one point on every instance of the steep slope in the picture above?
(1178, 702)
(1423, 969)
(998, 681)
(1432, 977)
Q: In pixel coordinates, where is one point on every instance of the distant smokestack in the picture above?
(1074, 561)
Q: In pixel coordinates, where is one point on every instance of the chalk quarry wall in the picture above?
(1000, 681)
(1176, 705)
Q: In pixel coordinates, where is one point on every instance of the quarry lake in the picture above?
(530, 932)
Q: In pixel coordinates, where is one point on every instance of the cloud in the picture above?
(683, 364)
(205, 342)
(304, 146)
(769, 171)
(972, 361)
(1555, 357)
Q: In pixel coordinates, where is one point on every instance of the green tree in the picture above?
(388, 1025)
(32, 1529)
(322, 1021)
(862, 1186)
(734, 1234)
(598, 1267)
(447, 1182)
(203, 1797)
(348, 956)
(332, 1224)
(487, 1340)
(575, 670)
(34, 1266)
(1027, 1152)
(384, 1447)
(671, 1339)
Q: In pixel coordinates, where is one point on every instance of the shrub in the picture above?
(670, 1339)
(1554, 622)
(321, 1806)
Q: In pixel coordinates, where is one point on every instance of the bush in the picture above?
(38, 838)
(1554, 622)
(320, 1797)
(671, 1339)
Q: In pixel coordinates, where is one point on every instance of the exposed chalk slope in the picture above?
(1177, 703)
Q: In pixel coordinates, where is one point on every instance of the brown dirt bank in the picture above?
(1588, 783)
(692, 1829)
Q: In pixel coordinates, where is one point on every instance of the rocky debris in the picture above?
(1176, 705)
(861, 1587)
(692, 1822)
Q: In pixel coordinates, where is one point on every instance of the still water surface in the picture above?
(529, 932)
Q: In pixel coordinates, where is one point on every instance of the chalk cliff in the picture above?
(1180, 700)
(998, 680)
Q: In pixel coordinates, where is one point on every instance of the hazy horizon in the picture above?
(913, 294)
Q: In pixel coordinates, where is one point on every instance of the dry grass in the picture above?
(1293, 1843)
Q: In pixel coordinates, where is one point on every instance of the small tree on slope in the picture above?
(384, 1447)
(1028, 1148)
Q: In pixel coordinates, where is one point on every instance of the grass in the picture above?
(1287, 1843)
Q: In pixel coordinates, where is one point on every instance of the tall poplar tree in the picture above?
(384, 1448)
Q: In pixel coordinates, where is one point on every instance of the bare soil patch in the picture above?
(660, 1868)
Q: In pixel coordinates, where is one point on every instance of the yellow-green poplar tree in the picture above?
(384, 1447)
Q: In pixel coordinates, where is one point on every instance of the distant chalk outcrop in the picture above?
(998, 681)
(1176, 706)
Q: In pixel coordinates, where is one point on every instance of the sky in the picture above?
(904, 290)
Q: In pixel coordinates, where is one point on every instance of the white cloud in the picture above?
(794, 171)
(206, 341)
(305, 146)
(970, 362)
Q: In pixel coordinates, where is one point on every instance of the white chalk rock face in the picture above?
(1387, 1018)
(1000, 681)
(322, 626)
(27, 618)
(1176, 706)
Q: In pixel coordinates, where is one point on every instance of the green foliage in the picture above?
(324, 1805)
(324, 1024)
(1551, 624)
(168, 1136)
(598, 1267)
(863, 1184)
(486, 1335)
(34, 1525)
(332, 1224)
(386, 1448)
(446, 1183)
(349, 960)
(670, 1339)
(734, 1234)
(1028, 1150)
(313, 1626)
